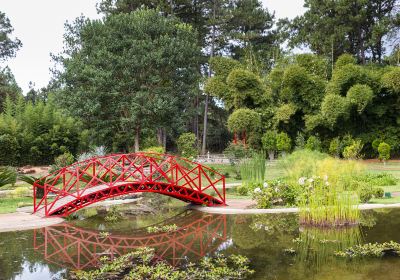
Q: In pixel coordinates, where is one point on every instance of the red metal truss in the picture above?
(83, 183)
(77, 248)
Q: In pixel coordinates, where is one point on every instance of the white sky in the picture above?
(39, 25)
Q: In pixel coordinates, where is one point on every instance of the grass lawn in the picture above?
(10, 204)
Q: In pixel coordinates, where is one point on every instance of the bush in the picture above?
(366, 193)
(379, 179)
(384, 151)
(353, 151)
(155, 149)
(186, 145)
(269, 143)
(237, 151)
(283, 142)
(62, 161)
(334, 147)
(313, 143)
(379, 192)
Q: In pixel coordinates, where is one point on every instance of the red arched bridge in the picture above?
(76, 248)
(83, 183)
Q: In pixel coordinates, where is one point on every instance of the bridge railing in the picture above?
(83, 177)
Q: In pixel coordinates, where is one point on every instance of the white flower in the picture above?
(326, 183)
(325, 177)
(302, 180)
(257, 190)
(265, 185)
(311, 180)
(276, 190)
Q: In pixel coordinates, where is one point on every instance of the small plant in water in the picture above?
(166, 228)
(374, 250)
(140, 264)
(327, 205)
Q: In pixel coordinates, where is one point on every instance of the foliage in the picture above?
(95, 151)
(244, 121)
(113, 215)
(36, 133)
(155, 149)
(8, 45)
(252, 170)
(345, 59)
(8, 176)
(129, 73)
(186, 145)
(313, 143)
(391, 80)
(327, 204)
(276, 192)
(139, 264)
(353, 151)
(378, 179)
(165, 228)
(334, 147)
(269, 143)
(371, 250)
(384, 151)
(360, 96)
(283, 142)
(237, 151)
(62, 161)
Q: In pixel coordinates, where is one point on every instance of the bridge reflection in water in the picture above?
(77, 248)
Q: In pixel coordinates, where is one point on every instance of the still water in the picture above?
(49, 253)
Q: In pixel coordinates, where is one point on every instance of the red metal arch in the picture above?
(83, 183)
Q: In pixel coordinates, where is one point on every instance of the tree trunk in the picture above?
(137, 138)
(205, 120)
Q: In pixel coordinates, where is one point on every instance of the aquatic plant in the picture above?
(165, 228)
(374, 250)
(140, 264)
(327, 205)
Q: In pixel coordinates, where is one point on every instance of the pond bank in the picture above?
(25, 221)
(241, 206)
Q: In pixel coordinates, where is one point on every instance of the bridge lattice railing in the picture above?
(144, 168)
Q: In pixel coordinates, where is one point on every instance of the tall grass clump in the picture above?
(252, 170)
(327, 205)
(328, 198)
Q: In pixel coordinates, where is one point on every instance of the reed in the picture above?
(327, 205)
(252, 170)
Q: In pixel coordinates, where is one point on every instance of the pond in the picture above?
(267, 240)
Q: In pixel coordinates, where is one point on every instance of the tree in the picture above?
(8, 45)
(129, 73)
(269, 143)
(332, 28)
(244, 122)
(313, 143)
(384, 151)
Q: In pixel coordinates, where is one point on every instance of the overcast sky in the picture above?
(40, 26)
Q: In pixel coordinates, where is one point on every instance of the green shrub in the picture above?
(186, 145)
(269, 143)
(313, 143)
(334, 147)
(366, 193)
(371, 250)
(237, 151)
(378, 179)
(62, 161)
(384, 151)
(155, 149)
(353, 151)
(379, 192)
(283, 142)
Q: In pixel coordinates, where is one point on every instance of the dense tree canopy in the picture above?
(128, 73)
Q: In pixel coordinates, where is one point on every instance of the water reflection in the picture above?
(73, 247)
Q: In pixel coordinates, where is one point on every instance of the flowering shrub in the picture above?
(276, 192)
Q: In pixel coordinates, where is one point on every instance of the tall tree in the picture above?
(332, 28)
(8, 45)
(129, 72)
